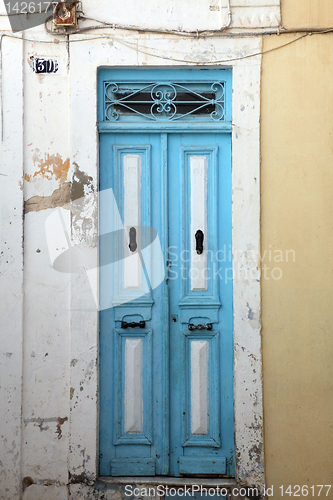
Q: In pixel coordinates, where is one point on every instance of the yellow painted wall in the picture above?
(304, 13)
(297, 214)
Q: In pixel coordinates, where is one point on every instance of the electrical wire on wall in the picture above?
(199, 34)
(103, 25)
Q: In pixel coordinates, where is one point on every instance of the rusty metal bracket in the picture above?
(65, 14)
(192, 327)
(139, 324)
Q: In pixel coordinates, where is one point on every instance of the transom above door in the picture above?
(166, 350)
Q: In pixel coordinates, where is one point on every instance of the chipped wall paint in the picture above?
(11, 276)
(246, 75)
(59, 198)
(48, 167)
(57, 444)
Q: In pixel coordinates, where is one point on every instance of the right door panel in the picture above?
(200, 291)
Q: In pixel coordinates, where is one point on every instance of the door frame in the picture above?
(246, 244)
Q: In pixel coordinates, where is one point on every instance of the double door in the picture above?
(166, 348)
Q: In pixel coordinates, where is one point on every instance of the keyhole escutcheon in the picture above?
(199, 238)
(132, 239)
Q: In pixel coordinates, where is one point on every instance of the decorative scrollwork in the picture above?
(218, 113)
(111, 89)
(163, 92)
(164, 100)
(110, 113)
(163, 105)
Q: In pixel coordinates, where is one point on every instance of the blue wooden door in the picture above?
(200, 288)
(166, 351)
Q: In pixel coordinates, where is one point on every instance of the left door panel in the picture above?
(133, 341)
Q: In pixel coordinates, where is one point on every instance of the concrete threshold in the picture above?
(170, 481)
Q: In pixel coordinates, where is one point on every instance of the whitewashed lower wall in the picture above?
(11, 273)
(50, 448)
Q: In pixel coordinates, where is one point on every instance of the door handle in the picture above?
(139, 324)
(132, 239)
(199, 237)
(207, 326)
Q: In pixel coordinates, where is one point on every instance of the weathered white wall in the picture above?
(46, 306)
(50, 139)
(187, 15)
(11, 272)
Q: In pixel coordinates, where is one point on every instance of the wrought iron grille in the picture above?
(164, 101)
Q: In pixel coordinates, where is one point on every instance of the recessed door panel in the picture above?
(132, 346)
(200, 288)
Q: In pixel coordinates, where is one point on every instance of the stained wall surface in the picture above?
(49, 363)
(296, 216)
(49, 358)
